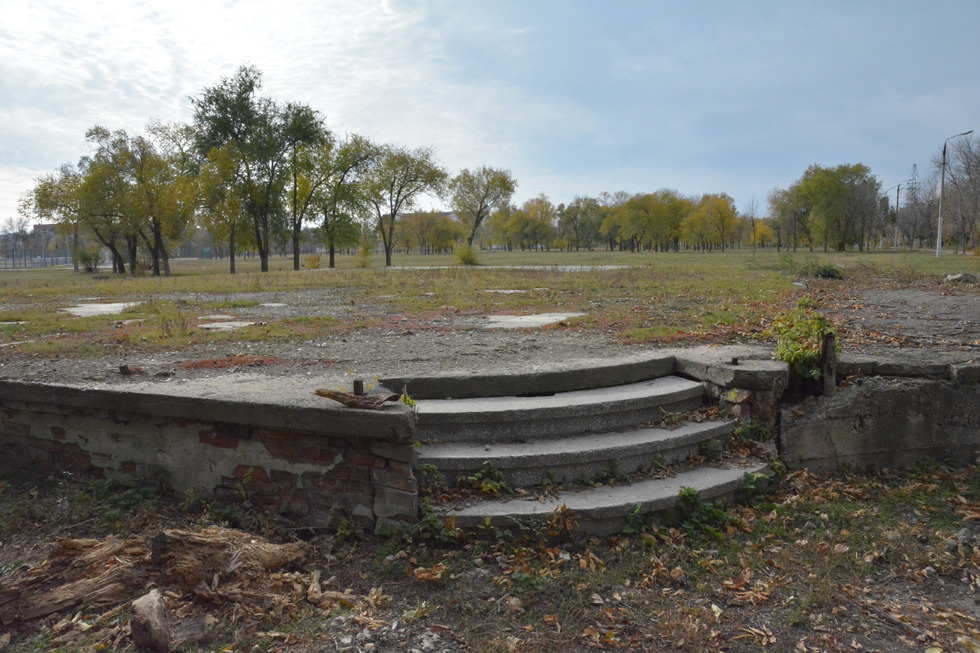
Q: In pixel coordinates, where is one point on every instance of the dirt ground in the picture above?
(933, 321)
(489, 593)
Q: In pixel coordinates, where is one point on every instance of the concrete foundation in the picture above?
(299, 457)
(881, 422)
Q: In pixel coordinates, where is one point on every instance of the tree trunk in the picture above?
(296, 235)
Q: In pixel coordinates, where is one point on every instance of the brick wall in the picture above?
(309, 463)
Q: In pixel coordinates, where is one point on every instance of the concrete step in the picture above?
(524, 419)
(607, 509)
(535, 380)
(576, 458)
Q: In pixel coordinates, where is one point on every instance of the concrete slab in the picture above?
(527, 321)
(91, 310)
(216, 317)
(225, 326)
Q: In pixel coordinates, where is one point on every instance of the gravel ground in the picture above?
(937, 322)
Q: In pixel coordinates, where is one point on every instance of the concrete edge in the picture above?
(396, 423)
(579, 375)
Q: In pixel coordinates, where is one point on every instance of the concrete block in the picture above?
(883, 422)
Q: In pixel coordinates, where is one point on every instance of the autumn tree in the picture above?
(266, 134)
(222, 198)
(579, 222)
(720, 217)
(331, 187)
(475, 194)
(393, 182)
(55, 198)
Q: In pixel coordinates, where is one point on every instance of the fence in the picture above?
(36, 262)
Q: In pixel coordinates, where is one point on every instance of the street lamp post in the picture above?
(942, 186)
(898, 190)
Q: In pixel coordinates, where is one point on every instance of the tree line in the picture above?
(254, 172)
(249, 170)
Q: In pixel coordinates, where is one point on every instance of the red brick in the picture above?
(221, 440)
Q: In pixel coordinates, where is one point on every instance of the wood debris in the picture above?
(369, 402)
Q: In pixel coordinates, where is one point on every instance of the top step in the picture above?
(522, 419)
(535, 381)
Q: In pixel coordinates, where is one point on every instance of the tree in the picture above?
(55, 198)
(963, 193)
(579, 222)
(720, 217)
(475, 194)
(838, 206)
(393, 182)
(432, 231)
(533, 224)
(332, 188)
(266, 134)
(221, 196)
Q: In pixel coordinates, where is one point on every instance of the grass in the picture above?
(816, 562)
(656, 298)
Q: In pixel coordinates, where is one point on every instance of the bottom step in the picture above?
(605, 510)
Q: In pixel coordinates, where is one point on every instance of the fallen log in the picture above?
(152, 628)
(77, 574)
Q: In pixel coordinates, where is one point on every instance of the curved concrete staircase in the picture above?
(562, 434)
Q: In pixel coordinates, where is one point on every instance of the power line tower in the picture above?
(915, 213)
(912, 185)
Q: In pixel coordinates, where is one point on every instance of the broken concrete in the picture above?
(882, 422)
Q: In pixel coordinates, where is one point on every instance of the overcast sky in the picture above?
(574, 97)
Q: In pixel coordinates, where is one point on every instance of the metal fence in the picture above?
(35, 262)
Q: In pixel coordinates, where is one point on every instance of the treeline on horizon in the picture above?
(258, 175)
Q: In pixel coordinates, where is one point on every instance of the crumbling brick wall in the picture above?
(310, 466)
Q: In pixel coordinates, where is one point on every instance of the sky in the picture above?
(574, 97)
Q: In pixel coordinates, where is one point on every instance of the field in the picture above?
(851, 562)
(656, 298)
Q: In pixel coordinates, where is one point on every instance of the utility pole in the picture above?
(942, 186)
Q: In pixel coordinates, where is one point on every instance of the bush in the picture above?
(466, 255)
(799, 336)
(88, 258)
(313, 262)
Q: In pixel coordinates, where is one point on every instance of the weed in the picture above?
(821, 270)
(434, 527)
(635, 522)
(799, 336)
(752, 431)
(710, 449)
(561, 523)
(700, 516)
(549, 479)
(488, 480)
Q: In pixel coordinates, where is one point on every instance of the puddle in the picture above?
(90, 310)
(525, 321)
(225, 326)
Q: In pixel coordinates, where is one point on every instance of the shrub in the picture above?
(466, 255)
(313, 262)
(799, 336)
